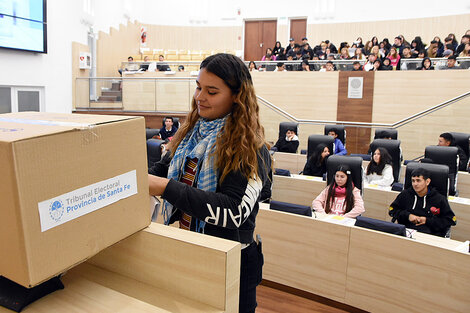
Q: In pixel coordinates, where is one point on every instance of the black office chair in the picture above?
(381, 133)
(446, 156)
(154, 151)
(151, 133)
(379, 225)
(284, 126)
(339, 130)
(439, 176)
(176, 122)
(354, 163)
(315, 140)
(463, 141)
(290, 208)
(393, 148)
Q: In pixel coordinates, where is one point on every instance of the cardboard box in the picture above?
(72, 185)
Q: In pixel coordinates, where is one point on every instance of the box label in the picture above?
(69, 206)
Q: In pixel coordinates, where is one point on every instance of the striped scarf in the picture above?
(198, 143)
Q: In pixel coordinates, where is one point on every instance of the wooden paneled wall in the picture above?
(427, 28)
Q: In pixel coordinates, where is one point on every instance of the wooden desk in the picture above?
(159, 269)
(299, 190)
(370, 270)
(293, 162)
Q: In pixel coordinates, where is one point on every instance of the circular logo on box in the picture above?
(56, 210)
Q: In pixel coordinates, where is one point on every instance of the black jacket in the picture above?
(164, 134)
(434, 206)
(283, 145)
(231, 210)
(312, 169)
(463, 159)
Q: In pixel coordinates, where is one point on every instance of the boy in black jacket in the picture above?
(423, 208)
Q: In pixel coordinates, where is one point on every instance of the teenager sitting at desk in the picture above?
(379, 171)
(316, 163)
(340, 197)
(289, 143)
(421, 207)
(339, 147)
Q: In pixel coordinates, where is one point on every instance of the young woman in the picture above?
(316, 163)
(394, 58)
(252, 66)
(340, 197)
(426, 65)
(380, 171)
(220, 165)
(277, 48)
(358, 55)
(269, 56)
(386, 65)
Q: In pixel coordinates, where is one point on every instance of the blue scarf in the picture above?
(198, 143)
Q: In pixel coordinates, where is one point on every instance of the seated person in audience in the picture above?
(370, 62)
(380, 171)
(280, 67)
(169, 130)
(446, 139)
(339, 147)
(451, 63)
(281, 56)
(386, 65)
(464, 41)
(357, 66)
(147, 65)
(130, 66)
(329, 67)
(289, 144)
(426, 65)
(377, 65)
(269, 56)
(305, 65)
(422, 207)
(252, 66)
(340, 197)
(316, 163)
(293, 51)
(162, 66)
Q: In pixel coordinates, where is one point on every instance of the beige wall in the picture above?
(427, 28)
(194, 38)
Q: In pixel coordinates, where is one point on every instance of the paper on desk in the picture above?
(464, 247)
(338, 219)
(307, 177)
(459, 200)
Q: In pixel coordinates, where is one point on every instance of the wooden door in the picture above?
(298, 29)
(259, 35)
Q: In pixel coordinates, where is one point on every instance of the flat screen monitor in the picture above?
(387, 227)
(23, 25)
(144, 67)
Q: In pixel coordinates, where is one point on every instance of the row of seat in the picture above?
(447, 156)
(179, 55)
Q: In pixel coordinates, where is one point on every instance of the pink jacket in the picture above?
(318, 204)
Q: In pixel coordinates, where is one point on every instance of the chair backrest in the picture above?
(176, 122)
(446, 156)
(154, 151)
(339, 130)
(380, 133)
(354, 163)
(439, 176)
(379, 225)
(393, 148)
(151, 133)
(443, 155)
(462, 140)
(284, 126)
(290, 208)
(315, 140)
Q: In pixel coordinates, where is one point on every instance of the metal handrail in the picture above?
(397, 124)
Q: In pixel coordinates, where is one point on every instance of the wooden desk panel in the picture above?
(377, 202)
(463, 184)
(304, 253)
(296, 190)
(293, 162)
(392, 274)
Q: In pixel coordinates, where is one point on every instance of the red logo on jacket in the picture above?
(435, 211)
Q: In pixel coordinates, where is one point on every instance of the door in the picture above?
(298, 29)
(259, 35)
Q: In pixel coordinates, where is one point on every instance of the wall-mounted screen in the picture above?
(23, 25)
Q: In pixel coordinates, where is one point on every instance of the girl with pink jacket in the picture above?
(340, 197)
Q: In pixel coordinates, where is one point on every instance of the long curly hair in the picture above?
(240, 140)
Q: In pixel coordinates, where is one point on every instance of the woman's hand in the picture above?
(157, 185)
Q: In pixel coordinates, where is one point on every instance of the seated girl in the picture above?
(316, 163)
(340, 197)
(380, 171)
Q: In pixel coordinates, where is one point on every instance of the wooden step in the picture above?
(112, 93)
(107, 98)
